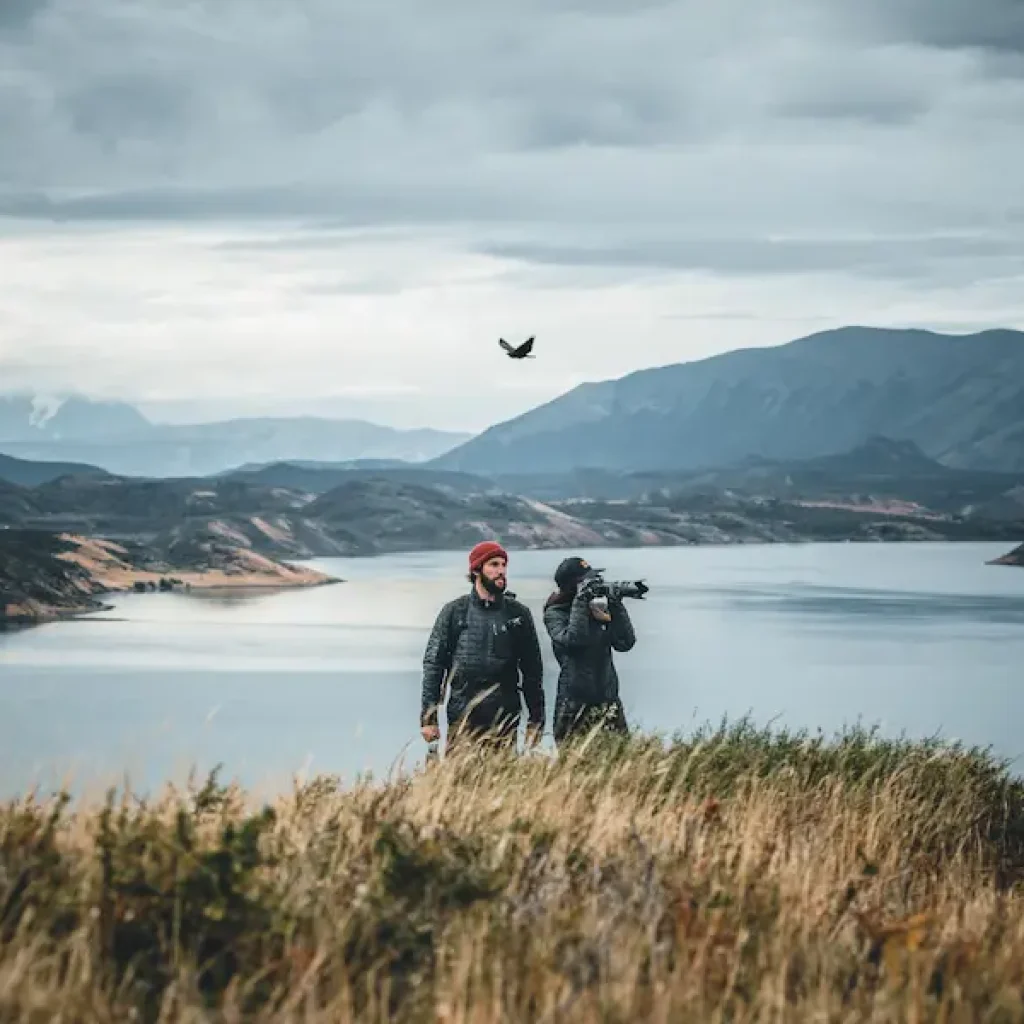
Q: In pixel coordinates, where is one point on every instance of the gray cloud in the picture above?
(17, 15)
(885, 259)
(666, 134)
(996, 25)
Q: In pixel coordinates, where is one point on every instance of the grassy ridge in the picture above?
(735, 875)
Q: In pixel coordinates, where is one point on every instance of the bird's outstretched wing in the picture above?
(506, 346)
(526, 348)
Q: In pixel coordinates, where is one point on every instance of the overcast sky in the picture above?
(228, 206)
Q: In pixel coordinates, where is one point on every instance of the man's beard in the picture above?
(494, 587)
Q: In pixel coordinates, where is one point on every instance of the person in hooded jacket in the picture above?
(584, 633)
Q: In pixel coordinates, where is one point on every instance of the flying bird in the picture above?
(520, 351)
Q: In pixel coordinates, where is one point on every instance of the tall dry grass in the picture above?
(735, 876)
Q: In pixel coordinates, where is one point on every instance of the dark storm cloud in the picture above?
(729, 123)
(957, 24)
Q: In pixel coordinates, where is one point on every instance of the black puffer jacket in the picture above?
(583, 648)
(487, 643)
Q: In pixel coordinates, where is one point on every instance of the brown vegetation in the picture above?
(109, 564)
(735, 876)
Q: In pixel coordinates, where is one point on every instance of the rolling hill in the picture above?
(16, 504)
(880, 468)
(318, 478)
(36, 577)
(31, 473)
(959, 398)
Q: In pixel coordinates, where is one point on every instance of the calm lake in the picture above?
(917, 638)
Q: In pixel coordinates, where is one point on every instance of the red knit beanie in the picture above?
(483, 551)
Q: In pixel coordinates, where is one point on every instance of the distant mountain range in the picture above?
(960, 399)
(880, 469)
(289, 509)
(118, 438)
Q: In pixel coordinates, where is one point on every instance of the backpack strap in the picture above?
(460, 620)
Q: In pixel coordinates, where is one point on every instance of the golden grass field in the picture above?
(736, 875)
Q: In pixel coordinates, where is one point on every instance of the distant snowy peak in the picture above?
(44, 408)
(37, 417)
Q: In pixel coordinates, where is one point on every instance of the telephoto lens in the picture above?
(594, 585)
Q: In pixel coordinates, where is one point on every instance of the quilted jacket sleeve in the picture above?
(437, 660)
(568, 627)
(620, 629)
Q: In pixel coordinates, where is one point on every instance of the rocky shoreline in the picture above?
(38, 585)
(47, 576)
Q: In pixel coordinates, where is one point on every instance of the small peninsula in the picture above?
(1014, 557)
(46, 575)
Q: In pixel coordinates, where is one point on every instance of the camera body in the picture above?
(594, 585)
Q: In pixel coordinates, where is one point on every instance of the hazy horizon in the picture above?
(240, 207)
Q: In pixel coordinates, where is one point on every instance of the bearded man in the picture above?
(486, 643)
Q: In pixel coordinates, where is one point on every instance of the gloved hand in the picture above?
(583, 587)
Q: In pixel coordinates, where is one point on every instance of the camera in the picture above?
(594, 585)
